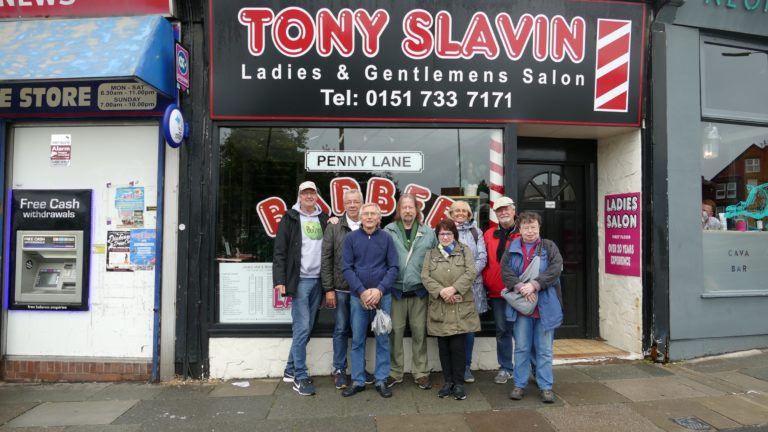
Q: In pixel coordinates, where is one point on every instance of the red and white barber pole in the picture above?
(496, 174)
(612, 65)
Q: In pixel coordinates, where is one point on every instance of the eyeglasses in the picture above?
(446, 234)
(369, 214)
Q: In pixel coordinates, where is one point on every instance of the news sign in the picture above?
(558, 62)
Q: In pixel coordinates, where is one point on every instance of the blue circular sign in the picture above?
(173, 126)
(183, 63)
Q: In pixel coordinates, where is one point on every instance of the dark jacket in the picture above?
(330, 267)
(369, 261)
(547, 283)
(286, 258)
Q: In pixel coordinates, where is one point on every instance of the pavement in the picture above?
(718, 393)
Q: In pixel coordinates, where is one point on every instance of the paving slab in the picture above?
(13, 410)
(128, 391)
(722, 364)
(60, 392)
(760, 373)
(570, 374)
(598, 418)
(256, 387)
(72, 413)
(349, 424)
(588, 394)
(738, 408)
(654, 369)
(497, 396)
(639, 390)
(177, 413)
(709, 381)
(422, 423)
(33, 429)
(427, 401)
(608, 372)
(741, 381)
(757, 397)
(508, 421)
(191, 390)
(662, 412)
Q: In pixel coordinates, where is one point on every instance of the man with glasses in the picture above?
(369, 265)
(497, 239)
(409, 303)
(336, 288)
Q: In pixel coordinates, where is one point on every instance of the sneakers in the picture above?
(445, 390)
(458, 392)
(352, 390)
(369, 378)
(468, 377)
(389, 382)
(423, 382)
(502, 376)
(547, 396)
(304, 387)
(517, 393)
(289, 377)
(340, 379)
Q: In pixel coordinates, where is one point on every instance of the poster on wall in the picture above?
(622, 234)
(118, 251)
(246, 295)
(61, 150)
(143, 249)
(129, 202)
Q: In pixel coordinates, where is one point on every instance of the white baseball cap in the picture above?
(503, 202)
(307, 185)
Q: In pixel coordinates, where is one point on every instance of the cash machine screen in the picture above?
(47, 279)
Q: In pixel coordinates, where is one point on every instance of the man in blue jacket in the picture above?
(369, 265)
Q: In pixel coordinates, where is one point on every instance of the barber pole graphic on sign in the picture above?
(496, 174)
(612, 65)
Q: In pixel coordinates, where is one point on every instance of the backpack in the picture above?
(475, 233)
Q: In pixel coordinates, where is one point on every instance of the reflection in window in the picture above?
(739, 169)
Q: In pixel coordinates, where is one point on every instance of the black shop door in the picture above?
(556, 178)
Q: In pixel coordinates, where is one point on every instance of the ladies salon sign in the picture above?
(622, 234)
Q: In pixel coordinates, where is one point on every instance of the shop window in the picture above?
(752, 165)
(720, 191)
(261, 167)
(731, 193)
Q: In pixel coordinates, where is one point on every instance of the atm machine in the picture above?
(49, 267)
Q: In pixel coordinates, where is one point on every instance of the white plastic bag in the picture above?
(382, 323)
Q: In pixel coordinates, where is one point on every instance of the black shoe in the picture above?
(445, 391)
(369, 378)
(458, 392)
(352, 390)
(383, 390)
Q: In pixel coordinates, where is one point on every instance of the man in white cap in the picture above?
(296, 274)
(496, 240)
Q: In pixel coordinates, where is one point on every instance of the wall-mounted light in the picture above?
(711, 142)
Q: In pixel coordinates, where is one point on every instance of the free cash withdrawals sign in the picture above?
(576, 62)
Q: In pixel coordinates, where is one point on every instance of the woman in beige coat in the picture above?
(447, 274)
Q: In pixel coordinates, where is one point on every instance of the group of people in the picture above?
(433, 282)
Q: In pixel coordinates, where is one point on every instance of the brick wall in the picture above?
(18, 370)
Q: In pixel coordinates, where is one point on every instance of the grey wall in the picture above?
(697, 326)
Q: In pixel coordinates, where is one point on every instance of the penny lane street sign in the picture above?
(356, 161)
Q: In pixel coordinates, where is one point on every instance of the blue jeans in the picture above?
(341, 330)
(468, 347)
(503, 334)
(303, 312)
(529, 335)
(360, 322)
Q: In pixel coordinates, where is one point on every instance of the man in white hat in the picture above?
(496, 240)
(296, 274)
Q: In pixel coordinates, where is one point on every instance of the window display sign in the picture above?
(735, 263)
(50, 249)
(422, 61)
(351, 161)
(246, 295)
(622, 234)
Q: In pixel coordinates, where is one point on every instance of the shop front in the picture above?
(540, 102)
(85, 165)
(710, 110)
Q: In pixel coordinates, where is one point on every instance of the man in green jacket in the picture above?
(409, 297)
